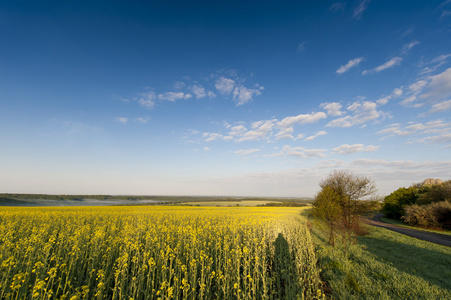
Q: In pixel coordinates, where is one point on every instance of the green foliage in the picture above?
(436, 193)
(394, 203)
(327, 207)
(436, 215)
(339, 203)
(383, 265)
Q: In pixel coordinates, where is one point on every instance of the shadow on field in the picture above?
(433, 266)
(284, 268)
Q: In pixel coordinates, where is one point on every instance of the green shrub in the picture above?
(393, 206)
(436, 193)
(437, 215)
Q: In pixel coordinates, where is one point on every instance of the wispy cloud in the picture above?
(301, 46)
(435, 64)
(445, 14)
(439, 86)
(337, 6)
(389, 64)
(198, 91)
(240, 93)
(441, 106)
(332, 108)
(243, 152)
(142, 120)
(438, 128)
(319, 133)
(301, 119)
(173, 96)
(147, 100)
(301, 152)
(225, 86)
(362, 113)
(358, 10)
(350, 64)
(349, 149)
(122, 120)
(406, 48)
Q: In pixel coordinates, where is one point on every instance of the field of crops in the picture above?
(156, 253)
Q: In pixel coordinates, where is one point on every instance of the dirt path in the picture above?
(437, 238)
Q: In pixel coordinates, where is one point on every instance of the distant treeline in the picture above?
(179, 199)
(284, 204)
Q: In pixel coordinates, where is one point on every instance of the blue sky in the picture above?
(251, 98)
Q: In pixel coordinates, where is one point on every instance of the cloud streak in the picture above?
(350, 64)
(389, 64)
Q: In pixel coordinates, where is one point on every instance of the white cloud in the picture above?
(301, 46)
(441, 106)
(358, 11)
(383, 100)
(439, 86)
(261, 131)
(285, 133)
(349, 149)
(397, 92)
(206, 149)
(244, 95)
(211, 136)
(237, 130)
(440, 58)
(178, 85)
(442, 138)
(142, 120)
(319, 133)
(437, 127)
(389, 64)
(301, 119)
(394, 129)
(122, 120)
(301, 152)
(350, 64)
(363, 112)
(173, 96)
(147, 100)
(445, 13)
(332, 108)
(299, 136)
(198, 91)
(240, 93)
(435, 64)
(430, 125)
(225, 86)
(337, 6)
(243, 152)
(406, 48)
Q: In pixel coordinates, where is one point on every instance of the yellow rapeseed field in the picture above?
(161, 252)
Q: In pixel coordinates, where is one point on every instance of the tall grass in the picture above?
(156, 253)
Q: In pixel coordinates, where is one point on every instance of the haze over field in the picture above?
(251, 98)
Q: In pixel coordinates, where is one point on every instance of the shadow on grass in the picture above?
(284, 270)
(433, 266)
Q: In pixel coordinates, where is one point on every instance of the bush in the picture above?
(436, 215)
(393, 206)
(436, 193)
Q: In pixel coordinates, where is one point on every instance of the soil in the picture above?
(437, 238)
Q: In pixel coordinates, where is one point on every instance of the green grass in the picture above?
(401, 223)
(384, 265)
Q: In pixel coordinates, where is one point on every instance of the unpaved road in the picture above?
(437, 238)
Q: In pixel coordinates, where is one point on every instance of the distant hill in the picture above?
(428, 181)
